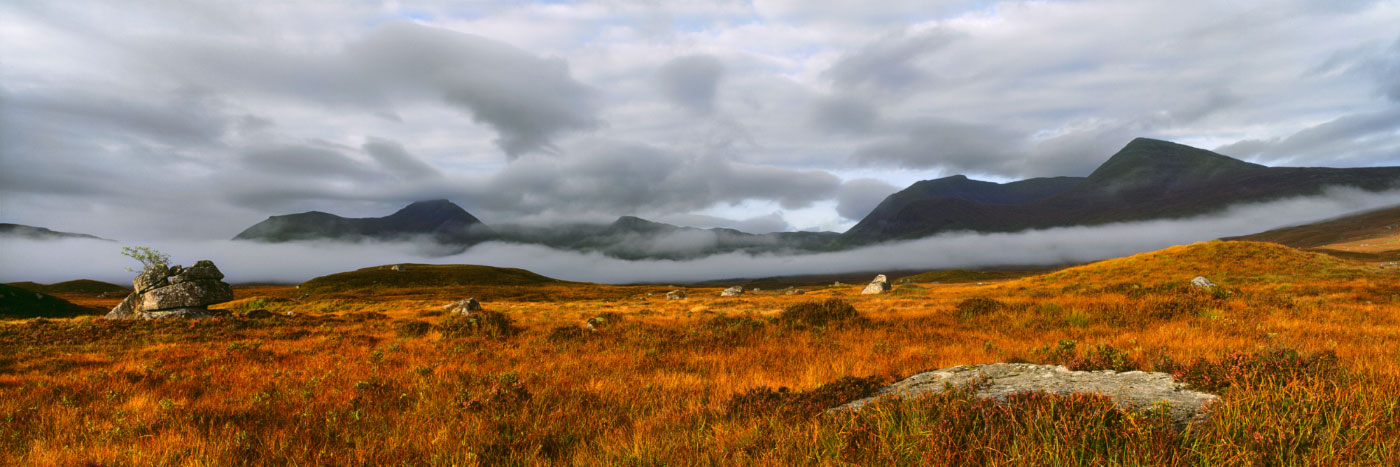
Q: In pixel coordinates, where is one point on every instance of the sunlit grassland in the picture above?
(348, 380)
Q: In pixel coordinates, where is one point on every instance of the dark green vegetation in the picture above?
(80, 286)
(1147, 179)
(40, 233)
(439, 220)
(381, 278)
(16, 303)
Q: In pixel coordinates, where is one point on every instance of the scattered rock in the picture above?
(877, 286)
(732, 291)
(175, 292)
(675, 295)
(1133, 390)
(1200, 282)
(593, 324)
(398, 267)
(260, 314)
(464, 307)
(795, 292)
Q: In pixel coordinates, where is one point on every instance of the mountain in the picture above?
(1368, 236)
(40, 233)
(632, 237)
(1147, 179)
(18, 303)
(440, 220)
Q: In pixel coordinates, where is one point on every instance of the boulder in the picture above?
(732, 291)
(202, 270)
(675, 295)
(463, 307)
(187, 294)
(593, 324)
(1131, 391)
(1200, 282)
(174, 292)
(398, 268)
(877, 286)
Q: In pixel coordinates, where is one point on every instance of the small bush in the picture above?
(1276, 367)
(820, 314)
(362, 316)
(567, 334)
(973, 307)
(500, 392)
(413, 328)
(480, 323)
(782, 402)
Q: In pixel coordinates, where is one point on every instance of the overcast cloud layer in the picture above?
(192, 120)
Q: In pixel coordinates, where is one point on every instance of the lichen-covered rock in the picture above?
(877, 286)
(1200, 282)
(463, 307)
(188, 294)
(155, 277)
(675, 295)
(1133, 390)
(127, 309)
(202, 270)
(732, 291)
(183, 312)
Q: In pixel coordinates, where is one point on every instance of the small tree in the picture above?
(150, 258)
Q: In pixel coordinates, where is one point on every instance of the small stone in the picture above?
(675, 295)
(398, 267)
(732, 291)
(1200, 282)
(463, 307)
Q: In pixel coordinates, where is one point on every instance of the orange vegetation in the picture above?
(381, 376)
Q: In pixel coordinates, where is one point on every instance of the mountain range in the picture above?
(40, 233)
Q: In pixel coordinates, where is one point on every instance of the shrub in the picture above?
(501, 392)
(1273, 367)
(820, 314)
(480, 323)
(979, 306)
(567, 334)
(362, 316)
(413, 328)
(785, 403)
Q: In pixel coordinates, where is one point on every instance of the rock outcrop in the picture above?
(732, 291)
(1133, 390)
(1200, 282)
(675, 295)
(877, 286)
(463, 307)
(174, 292)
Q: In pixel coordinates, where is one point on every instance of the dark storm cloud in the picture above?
(940, 143)
(690, 82)
(1358, 139)
(891, 64)
(393, 157)
(630, 178)
(528, 100)
(858, 197)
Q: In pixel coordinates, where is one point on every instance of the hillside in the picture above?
(1226, 263)
(1147, 179)
(80, 286)
(957, 187)
(40, 233)
(420, 276)
(1368, 236)
(440, 220)
(18, 303)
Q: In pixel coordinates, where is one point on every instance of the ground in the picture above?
(1303, 348)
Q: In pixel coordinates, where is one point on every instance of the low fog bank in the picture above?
(242, 262)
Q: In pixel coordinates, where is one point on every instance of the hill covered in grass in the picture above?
(420, 276)
(1368, 236)
(18, 303)
(1219, 261)
(80, 286)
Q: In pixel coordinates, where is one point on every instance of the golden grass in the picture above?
(342, 383)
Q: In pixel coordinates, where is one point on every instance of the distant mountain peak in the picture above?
(1153, 158)
(441, 218)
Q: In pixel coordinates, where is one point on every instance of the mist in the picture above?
(249, 262)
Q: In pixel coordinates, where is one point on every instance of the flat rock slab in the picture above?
(1137, 391)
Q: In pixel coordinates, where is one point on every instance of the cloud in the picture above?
(527, 99)
(690, 82)
(860, 196)
(891, 64)
(55, 261)
(392, 156)
(845, 115)
(1371, 138)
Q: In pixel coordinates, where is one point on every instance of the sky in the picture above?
(191, 120)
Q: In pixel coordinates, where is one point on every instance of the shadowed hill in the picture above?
(957, 187)
(440, 220)
(1147, 179)
(40, 233)
(80, 286)
(419, 276)
(1367, 225)
(18, 303)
